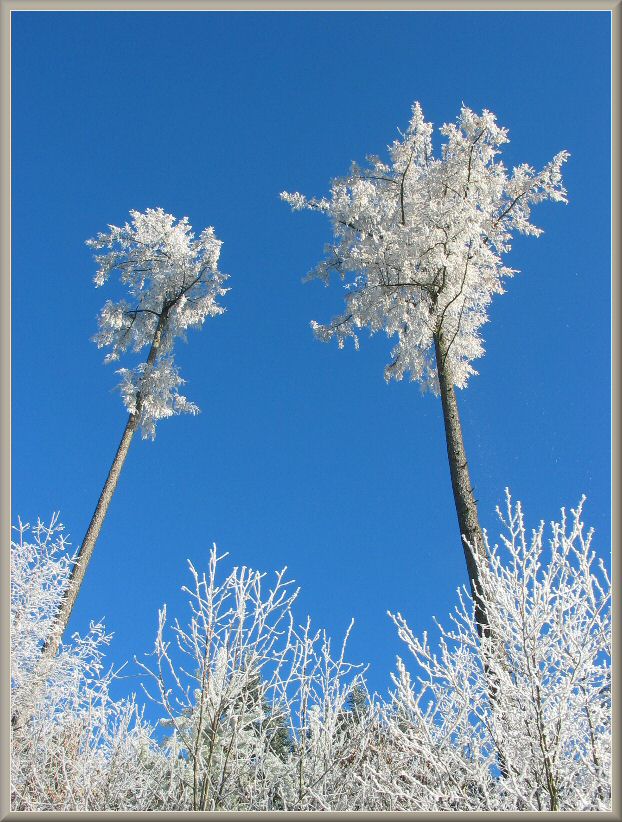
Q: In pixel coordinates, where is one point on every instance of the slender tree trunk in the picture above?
(466, 505)
(79, 570)
(470, 529)
(88, 544)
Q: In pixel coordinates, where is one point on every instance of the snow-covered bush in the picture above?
(258, 705)
(74, 748)
(543, 741)
(259, 713)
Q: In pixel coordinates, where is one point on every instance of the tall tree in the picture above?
(173, 282)
(418, 242)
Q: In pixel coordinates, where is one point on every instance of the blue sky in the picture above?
(302, 455)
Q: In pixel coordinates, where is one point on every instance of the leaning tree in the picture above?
(418, 243)
(173, 283)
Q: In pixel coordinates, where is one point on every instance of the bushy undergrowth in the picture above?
(259, 712)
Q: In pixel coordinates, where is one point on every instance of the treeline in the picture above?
(259, 711)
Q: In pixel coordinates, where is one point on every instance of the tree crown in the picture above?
(174, 282)
(418, 240)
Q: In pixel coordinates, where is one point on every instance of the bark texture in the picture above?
(468, 522)
(466, 505)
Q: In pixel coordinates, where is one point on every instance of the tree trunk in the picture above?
(77, 574)
(466, 505)
(88, 544)
(470, 529)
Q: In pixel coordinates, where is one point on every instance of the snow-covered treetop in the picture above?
(422, 238)
(173, 282)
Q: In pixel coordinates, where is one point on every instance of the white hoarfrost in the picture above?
(173, 281)
(257, 704)
(419, 240)
(259, 713)
(73, 746)
(549, 723)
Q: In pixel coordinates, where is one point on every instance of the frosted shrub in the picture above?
(257, 705)
(544, 741)
(74, 748)
(259, 712)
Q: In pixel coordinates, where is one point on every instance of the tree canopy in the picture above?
(419, 240)
(174, 283)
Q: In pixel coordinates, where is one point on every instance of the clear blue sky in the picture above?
(302, 455)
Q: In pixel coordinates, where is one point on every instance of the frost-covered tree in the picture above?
(260, 714)
(549, 608)
(257, 703)
(173, 283)
(418, 243)
(79, 749)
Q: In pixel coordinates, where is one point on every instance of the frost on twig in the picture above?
(549, 606)
(256, 704)
(173, 282)
(260, 712)
(76, 748)
(418, 240)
